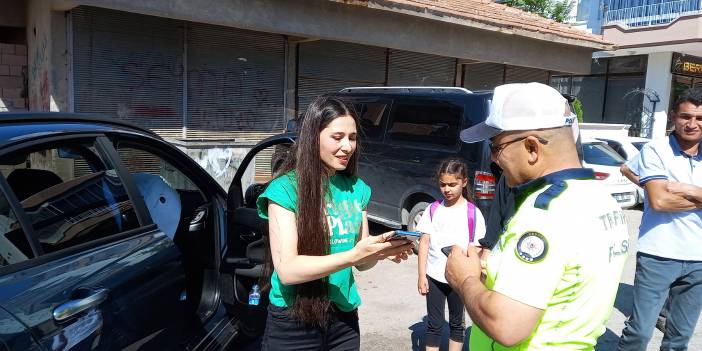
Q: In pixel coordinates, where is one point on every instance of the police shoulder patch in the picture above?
(532, 247)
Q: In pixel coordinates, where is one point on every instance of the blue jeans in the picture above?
(656, 277)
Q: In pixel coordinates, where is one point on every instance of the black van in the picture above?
(407, 132)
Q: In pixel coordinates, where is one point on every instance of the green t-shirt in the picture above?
(348, 198)
(566, 259)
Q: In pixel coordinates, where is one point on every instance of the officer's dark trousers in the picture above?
(437, 296)
(285, 333)
(655, 278)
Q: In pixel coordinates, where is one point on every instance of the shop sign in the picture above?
(687, 65)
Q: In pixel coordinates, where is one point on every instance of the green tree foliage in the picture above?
(578, 107)
(557, 10)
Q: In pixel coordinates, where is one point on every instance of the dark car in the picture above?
(407, 132)
(112, 238)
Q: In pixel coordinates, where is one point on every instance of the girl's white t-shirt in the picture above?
(448, 227)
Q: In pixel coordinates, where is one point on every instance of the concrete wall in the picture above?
(38, 43)
(342, 22)
(48, 56)
(659, 79)
(220, 159)
(13, 73)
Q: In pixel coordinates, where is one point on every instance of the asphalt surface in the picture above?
(393, 313)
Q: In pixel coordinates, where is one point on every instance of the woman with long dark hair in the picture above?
(318, 231)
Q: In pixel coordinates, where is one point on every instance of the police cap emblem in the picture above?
(532, 247)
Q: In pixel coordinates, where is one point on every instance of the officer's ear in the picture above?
(533, 147)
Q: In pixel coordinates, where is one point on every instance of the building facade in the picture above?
(658, 55)
(216, 79)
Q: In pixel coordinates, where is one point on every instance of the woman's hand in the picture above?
(423, 285)
(402, 256)
(374, 248)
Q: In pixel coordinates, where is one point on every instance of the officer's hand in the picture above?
(462, 266)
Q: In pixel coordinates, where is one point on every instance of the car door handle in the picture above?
(73, 307)
(417, 160)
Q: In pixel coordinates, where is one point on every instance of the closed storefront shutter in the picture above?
(406, 68)
(483, 76)
(130, 66)
(329, 66)
(235, 83)
(516, 74)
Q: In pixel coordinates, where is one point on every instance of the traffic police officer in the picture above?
(551, 280)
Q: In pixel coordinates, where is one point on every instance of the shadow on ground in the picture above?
(418, 330)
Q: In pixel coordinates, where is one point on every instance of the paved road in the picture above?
(392, 315)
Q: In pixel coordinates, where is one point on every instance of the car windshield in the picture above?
(638, 144)
(601, 154)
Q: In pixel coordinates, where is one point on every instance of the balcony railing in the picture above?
(648, 15)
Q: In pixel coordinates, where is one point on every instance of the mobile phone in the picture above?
(446, 250)
(407, 235)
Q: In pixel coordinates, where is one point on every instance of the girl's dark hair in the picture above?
(459, 169)
(311, 301)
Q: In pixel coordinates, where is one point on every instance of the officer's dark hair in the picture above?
(692, 95)
(459, 169)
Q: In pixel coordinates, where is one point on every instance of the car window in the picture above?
(426, 123)
(601, 154)
(616, 146)
(169, 195)
(371, 117)
(14, 246)
(639, 144)
(69, 194)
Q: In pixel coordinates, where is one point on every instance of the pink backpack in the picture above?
(471, 218)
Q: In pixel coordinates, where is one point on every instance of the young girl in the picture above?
(453, 221)
(318, 230)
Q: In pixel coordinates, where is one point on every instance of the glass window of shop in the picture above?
(612, 92)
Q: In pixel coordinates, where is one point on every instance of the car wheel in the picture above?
(415, 215)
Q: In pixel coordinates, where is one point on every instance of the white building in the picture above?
(658, 55)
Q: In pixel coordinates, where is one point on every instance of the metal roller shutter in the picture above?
(130, 66)
(517, 74)
(329, 66)
(235, 83)
(483, 76)
(406, 68)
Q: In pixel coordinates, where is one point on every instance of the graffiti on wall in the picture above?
(39, 98)
(219, 98)
(221, 163)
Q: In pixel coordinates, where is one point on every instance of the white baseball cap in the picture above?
(521, 106)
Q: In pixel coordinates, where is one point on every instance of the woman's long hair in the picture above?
(311, 301)
(460, 170)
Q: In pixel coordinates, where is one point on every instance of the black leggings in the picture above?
(284, 333)
(437, 296)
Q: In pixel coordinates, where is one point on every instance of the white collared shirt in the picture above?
(676, 235)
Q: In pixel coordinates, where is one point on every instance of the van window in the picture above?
(430, 124)
(371, 117)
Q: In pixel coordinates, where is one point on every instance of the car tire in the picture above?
(414, 215)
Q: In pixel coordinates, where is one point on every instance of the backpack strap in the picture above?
(471, 222)
(432, 209)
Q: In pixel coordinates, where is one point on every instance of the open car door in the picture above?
(245, 259)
